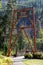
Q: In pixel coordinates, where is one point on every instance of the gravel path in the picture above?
(18, 60)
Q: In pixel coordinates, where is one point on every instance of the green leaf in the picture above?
(0, 4)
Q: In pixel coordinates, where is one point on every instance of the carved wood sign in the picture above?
(23, 14)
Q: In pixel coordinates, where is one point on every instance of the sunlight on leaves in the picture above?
(0, 4)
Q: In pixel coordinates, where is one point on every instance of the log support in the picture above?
(22, 28)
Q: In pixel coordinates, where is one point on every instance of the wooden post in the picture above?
(10, 42)
(34, 27)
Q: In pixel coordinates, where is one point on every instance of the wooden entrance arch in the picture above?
(15, 17)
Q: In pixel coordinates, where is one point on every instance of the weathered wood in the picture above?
(14, 27)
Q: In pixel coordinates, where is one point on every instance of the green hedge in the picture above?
(28, 55)
(36, 55)
(42, 56)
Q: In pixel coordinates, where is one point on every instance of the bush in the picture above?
(41, 55)
(37, 55)
(5, 60)
(13, 53)
(28, 55)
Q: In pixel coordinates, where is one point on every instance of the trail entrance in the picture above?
(26, 15)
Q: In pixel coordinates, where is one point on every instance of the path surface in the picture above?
(18, 60)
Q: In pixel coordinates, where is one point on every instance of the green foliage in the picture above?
(28, 55)
(13, 53)
(36, 55)
(1, 57)
(3, 21)
(41, 33)
(5, 49)
(42, 56)
(0, 4)
(39, 44)
(5, 60)
(39, 40)
(1, 52)
(23, 42)
(20, 41)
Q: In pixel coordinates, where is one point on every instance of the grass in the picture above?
(1, 52)
(33, 62)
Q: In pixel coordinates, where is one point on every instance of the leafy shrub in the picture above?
(41, 56)
(1, 52)
(28, 55)
(37, 55)
(1, 57)
(5, 60)
(13, 53)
